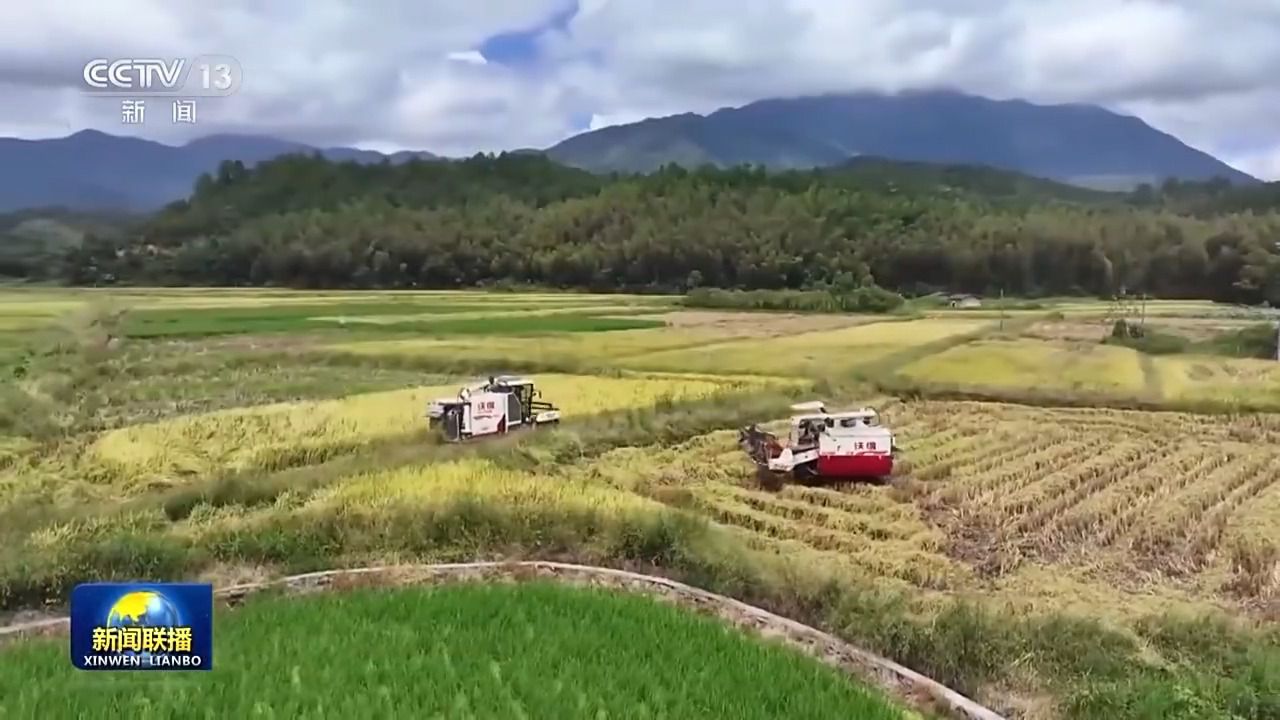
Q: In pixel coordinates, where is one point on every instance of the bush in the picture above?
(1255, 341)
(1146, 340)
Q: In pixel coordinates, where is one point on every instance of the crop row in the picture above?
(994, 485)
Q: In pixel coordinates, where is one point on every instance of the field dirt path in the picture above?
(898, 681)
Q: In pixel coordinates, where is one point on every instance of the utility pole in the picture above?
(1001, 309)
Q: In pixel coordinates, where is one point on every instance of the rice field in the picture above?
(576, 348)
(1071, 370)
(1034, 365)
(1123, 509)
(158, 313)
(811, 354)
(265, 431)
(473, 479)
(529, 651)
(287, 434)
(1238, 381)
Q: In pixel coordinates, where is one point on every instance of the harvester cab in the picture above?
(822, 445)
(497, 406)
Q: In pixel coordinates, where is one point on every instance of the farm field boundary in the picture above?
(899, 681)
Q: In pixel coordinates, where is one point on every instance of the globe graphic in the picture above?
(142, 609)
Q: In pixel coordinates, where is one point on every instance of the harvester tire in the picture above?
(768, 479)
(805, 474)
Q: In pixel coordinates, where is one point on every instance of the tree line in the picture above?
(521, 219)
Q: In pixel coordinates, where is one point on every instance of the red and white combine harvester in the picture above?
(496, 406)
(822, 446)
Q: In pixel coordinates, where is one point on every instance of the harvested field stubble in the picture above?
(990, 493)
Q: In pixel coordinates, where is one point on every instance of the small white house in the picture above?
(964, 301)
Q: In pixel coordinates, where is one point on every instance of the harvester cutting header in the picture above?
(822, 446)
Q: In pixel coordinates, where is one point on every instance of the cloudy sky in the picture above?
(459, 76)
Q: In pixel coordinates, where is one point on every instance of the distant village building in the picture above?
(964, 301)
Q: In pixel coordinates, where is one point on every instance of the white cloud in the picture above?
(468, 56)
(604, 121)
(330, 71)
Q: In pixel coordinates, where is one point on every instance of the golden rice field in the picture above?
(1036, 365)
(597, 347)
(1191, 377)
(476, 479)
(1070, 370)
(287, 434)
(209, 457)
(1049, 505)
(813, 354)
(424, 487)
(1088, 510)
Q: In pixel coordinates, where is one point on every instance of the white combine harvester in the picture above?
(822, 446)
(495, 406)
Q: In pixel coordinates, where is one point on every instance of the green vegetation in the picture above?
(309, 223)
(1256, 341)
(1209, 198)
(33, 242)
(468, 651)
(1146, 340)
(234, 321)
(976, 181)
(858, 300)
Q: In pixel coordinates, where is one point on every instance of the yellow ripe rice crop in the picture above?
(810, 353)
(1190, 377)
(1034, 365)
(1153, 307)
(30, 311)
(565, 347)
(473, 479)
(286, 434)
(13, 448)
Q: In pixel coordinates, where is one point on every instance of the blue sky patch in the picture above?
(520, 48)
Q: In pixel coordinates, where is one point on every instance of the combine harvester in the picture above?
(823, 446)
(497, 406)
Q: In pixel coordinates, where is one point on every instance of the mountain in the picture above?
(1080, 144)
(92, 170)
(1083, 145)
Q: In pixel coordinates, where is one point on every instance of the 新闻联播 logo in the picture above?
(125, 626)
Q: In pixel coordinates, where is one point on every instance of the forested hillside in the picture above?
(33, 242)
(516, 218)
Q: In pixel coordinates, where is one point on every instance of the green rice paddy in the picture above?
(469, 651)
